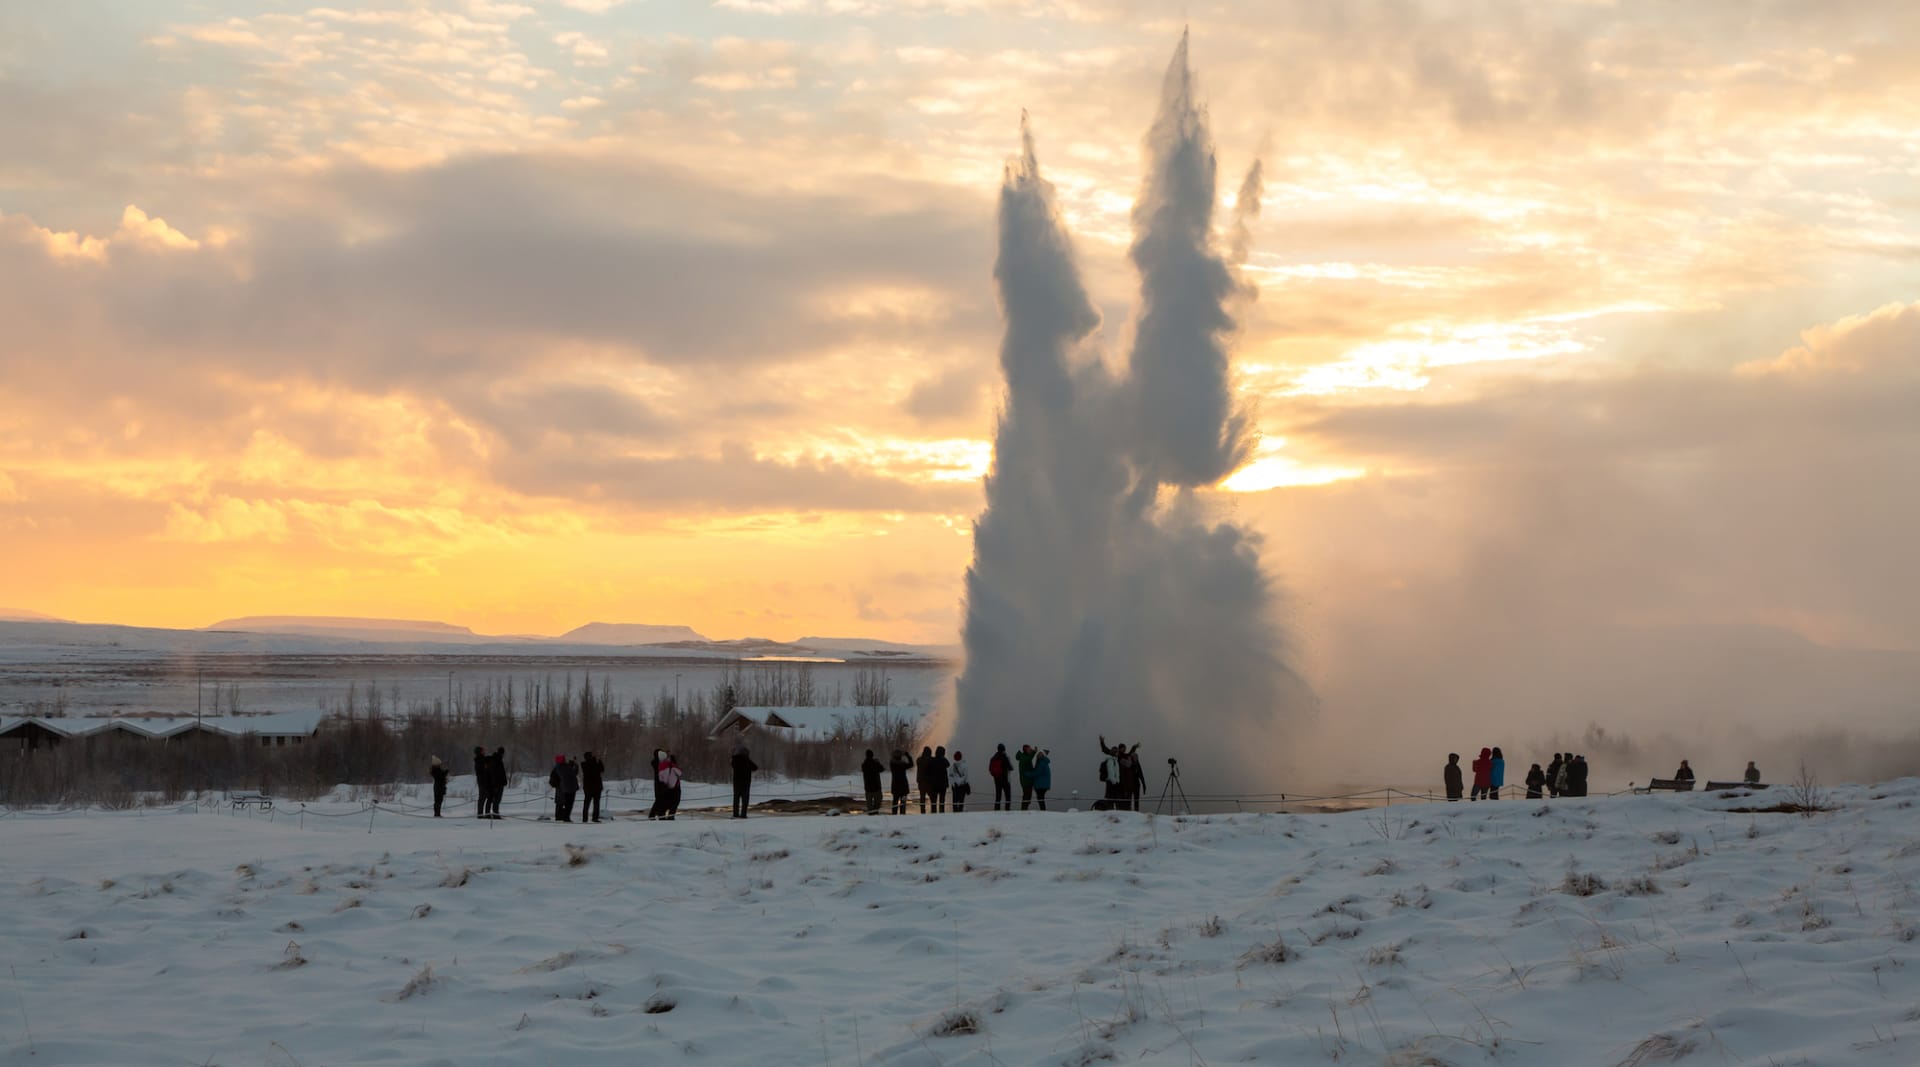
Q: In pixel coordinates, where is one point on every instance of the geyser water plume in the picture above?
(1102, 598)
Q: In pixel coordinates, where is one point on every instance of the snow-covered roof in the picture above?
(811, 723)
(156, 727)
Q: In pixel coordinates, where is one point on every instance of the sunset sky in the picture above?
(520, 315)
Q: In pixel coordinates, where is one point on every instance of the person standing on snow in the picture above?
(669, 779)
(1497, 774)
(482, 780)
(1577, 776)
(1753, 774)
(496, 781)
(1113, 770)
(1482, 774)
(1553, 775)
(1025, 762)
(1536, 781)
(998, 768)
(923, 777)
(592, 783)
(900, 764)
(565, 782)
(870, 772)
(659, 788)
(439, 772)
(1563, 779)
(1042, 776)
(743, 768)
(941, 777)
(957, 777)
(1450, 774)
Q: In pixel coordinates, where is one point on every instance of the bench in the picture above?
(260, 801)
(1677, 785)
(1715, 787)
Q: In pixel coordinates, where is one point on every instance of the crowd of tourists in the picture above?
(1564, 776)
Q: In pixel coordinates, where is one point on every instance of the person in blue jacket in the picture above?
(1499, 776)
(1042, 776)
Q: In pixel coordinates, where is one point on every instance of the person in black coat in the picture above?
(870, 772)
(497, 780)
(1536, 781)
(592, 782)
(923, 777)
(1577, 777)
(565, 780)
(482, 781)
(1553, 775)
(1684, 774)
(900, 764)
(439, 772)
(937, 778)
(743, 768)
(1450, 774)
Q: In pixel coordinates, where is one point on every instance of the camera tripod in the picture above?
(1173, 786)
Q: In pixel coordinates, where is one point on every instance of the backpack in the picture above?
(1103, 771)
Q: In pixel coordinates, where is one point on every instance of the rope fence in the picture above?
(720, 796)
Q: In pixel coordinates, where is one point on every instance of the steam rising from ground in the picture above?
(1096, 602)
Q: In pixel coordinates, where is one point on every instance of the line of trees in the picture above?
(368, 740)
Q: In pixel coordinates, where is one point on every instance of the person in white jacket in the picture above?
(957, 778)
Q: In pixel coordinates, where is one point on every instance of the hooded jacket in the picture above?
(870, 772)
(900, 765)
(1483, 770)
(743, 766)
(1042, 771)
(957, 774)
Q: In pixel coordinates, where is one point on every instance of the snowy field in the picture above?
(1627, 930)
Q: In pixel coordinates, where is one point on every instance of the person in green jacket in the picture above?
(1024, 759)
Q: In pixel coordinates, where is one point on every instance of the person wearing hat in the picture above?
(439, 772)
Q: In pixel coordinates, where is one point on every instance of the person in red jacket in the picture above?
(1000, 769)
(1482, 775)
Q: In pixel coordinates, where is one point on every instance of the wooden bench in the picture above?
(1677, 785)
(259, 801)
(1715, 787)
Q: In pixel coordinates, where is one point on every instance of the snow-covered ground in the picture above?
(1626, 930)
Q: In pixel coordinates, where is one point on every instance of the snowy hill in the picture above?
(1624, 930)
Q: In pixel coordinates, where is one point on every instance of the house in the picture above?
(31, 733)
(819, 723)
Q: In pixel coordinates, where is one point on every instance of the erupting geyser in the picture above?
(1102, 598)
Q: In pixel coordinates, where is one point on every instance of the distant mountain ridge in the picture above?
(338, 626)
(629, 633)
(330, 634)
(23, 615)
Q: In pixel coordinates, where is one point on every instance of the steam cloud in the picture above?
(1094, 603)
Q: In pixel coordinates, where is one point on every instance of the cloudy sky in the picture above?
(1577, 314)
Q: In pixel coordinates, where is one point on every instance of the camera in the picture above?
(1171, 762)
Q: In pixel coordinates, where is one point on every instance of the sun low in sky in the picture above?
(519, 315)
